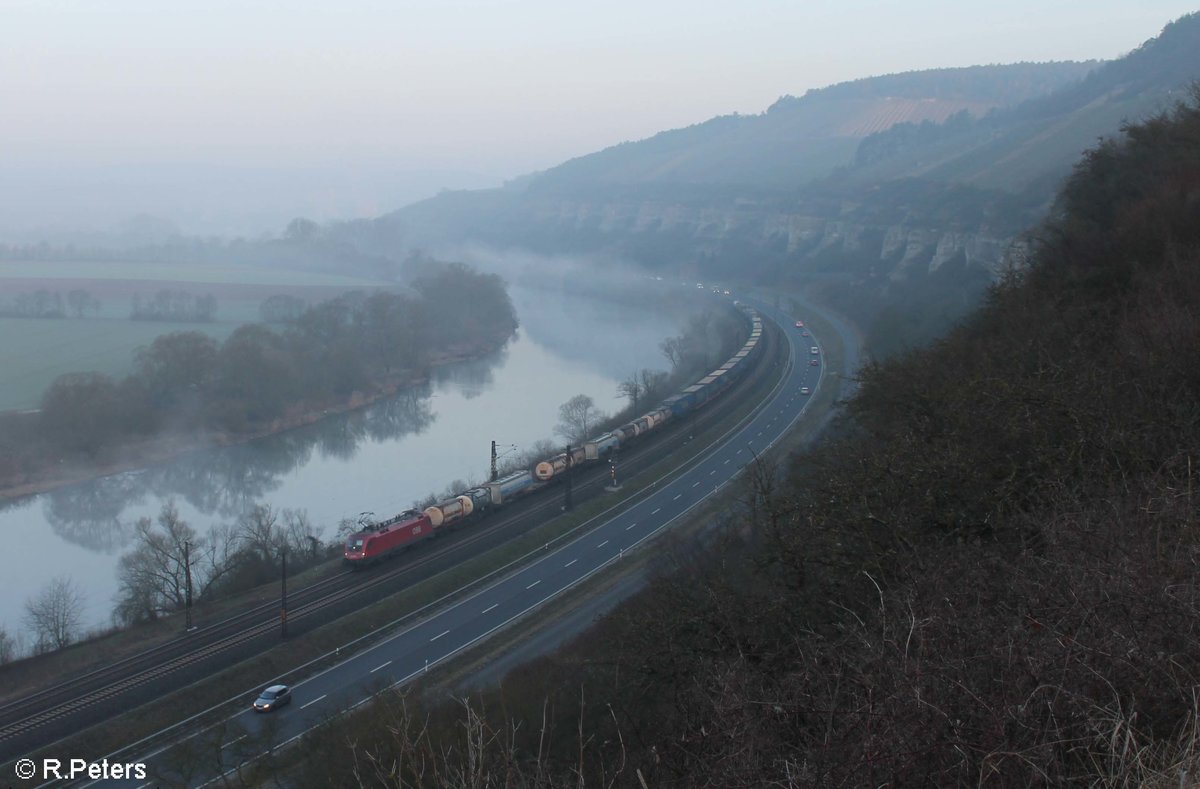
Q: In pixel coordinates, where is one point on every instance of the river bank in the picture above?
(56, 473)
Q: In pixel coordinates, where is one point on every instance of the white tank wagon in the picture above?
(450, 510)
(546, 470)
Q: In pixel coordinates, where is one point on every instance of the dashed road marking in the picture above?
(491, 607)
(439, 635)
(314, 701)
(382, 665)
(568, 564)
(535, 583)
(231, 743)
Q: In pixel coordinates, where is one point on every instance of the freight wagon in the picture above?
(377, 542)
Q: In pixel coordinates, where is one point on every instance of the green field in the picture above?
(177, 272)
(35, 352)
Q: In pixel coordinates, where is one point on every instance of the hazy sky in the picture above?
(350, 107)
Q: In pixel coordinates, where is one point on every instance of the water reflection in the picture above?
(474, 377)
(89, 514)
(225, 482)
(402, 449)
(228, 481)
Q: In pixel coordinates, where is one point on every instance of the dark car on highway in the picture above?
(273, 698)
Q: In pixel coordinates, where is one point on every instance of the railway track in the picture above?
(38, 718)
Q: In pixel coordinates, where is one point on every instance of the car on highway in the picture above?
(815, 362)
(805, 390)
(799, 324)
(815, 350)
(803, 334)
(273, 698)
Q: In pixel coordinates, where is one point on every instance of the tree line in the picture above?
(985, 575)
(186, 381)
(44, 303)
(178, 306)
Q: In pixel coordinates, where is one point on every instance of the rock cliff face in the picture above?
(900, 250)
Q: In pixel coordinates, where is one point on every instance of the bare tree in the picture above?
(673, 349)
(8, 647)
(54, 614)
(576, 417)
(214, 557)
(653, 382)
(260, 533)
(300, 535)
(631, 387)
(153, 577)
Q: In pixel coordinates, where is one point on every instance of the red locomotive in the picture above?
(379, 541)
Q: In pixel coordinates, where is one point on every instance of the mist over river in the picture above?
(379, 459)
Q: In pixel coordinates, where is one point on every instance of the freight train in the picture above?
(376, 542)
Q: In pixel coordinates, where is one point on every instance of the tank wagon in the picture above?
(379, 541)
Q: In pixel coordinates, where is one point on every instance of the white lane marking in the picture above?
(714, 471)
(314, 701)
(656, 511)
(439, 635)
(630, 526)
(491, 607)
(738, 452)
(696, 484)
(568, 564)
(239, 739)
(678, 496)
(726, 462)
(601, 545)
(535, 583)
(384, 665)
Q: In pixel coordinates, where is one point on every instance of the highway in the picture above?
(406, 655)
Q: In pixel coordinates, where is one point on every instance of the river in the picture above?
(379, 459)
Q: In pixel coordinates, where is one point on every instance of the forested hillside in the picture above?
(988, 577)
